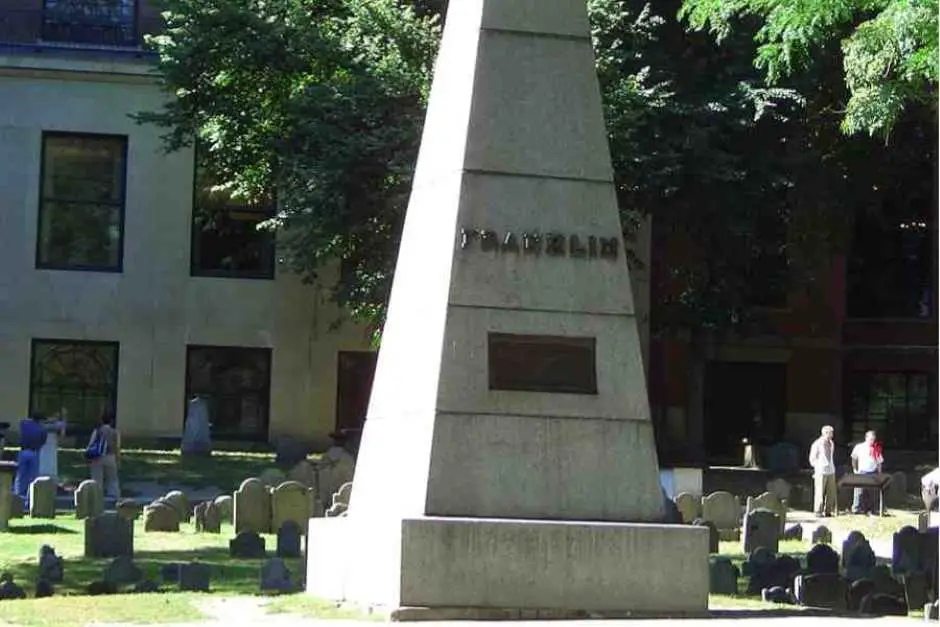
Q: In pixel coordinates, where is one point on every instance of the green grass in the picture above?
(20, 549)
(311, 607)
(146, 609)
(225, 470)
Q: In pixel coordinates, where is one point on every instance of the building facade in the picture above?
(115, 294)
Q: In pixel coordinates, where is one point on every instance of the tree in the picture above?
(889, 48)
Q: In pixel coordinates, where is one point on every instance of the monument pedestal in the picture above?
(511, 565)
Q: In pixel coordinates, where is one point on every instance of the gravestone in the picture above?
(289, 451)
(336, 510)
(170, 573)
(42, 498)
(122, 570)
(769, 502)
(208, 518)
(723, 509)
(128, 508)
(793, 532)
(780, 488)
(761, 528)
(50, 564)
(916, 589)
(713, 538)
(822, 535)
(272, 477)
(519, 334)
(878, 604)
(770, 571)
(226, 507)
(160, 516)
(145, 586)
(247, 544)
(905, 553)
(342, 495)
(89, 500)
(757, 568)
(9, 590)
(822, 559)
(858, 559)
(197, 439)
(304, 473)
(689, 506)
(854, 538)
(178, 501)
(722, 576)
(275, 576)
(776, 594)
(335, 468)
(194, 577)
(291, 501)
(288, 539)
(858, 590)
(109, 535)
(44, 589)
(252, 507)
(98, 588)
(884, 582)
(824, 590)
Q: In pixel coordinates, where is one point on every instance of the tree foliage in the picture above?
(889, 48)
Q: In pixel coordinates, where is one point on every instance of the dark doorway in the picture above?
(355, 370)
(742, 400)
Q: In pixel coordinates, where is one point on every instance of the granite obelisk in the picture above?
(508, 458)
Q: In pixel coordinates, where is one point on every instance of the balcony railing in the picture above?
(78, 23)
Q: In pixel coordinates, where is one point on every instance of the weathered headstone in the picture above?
(770, 571)
(122, 570)
(275, 576)
(160, 516)
(821, 590)
(793, 532)
(723, 509)
(878, 604)
(109, 535)
(342, 495)
(510, 348)
(916, 590)
(822, 535)
(858, 559)
(197, 439)
(89, 500)
(208, 518)
(713, 538)
(50, 564)
(761, 528)
(722, 576)
(288, 539)
(689, 506)
(252, 511)
(291, 501)
(9, 590)
(42, 498)
(178, 501)
(769, 502)
(194, 577)
(854, 538)
(128, 508)
(170, 573)
(303, 472)
(780, 488)
(905, 553)
(822, 559)
(44, 588)
(226, 507)
(336, 510)
(247, 544)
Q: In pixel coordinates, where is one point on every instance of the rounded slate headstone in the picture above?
(822, 535)
(713, 538)
(822, 559)
(178, 501)
(161, 517)
(225, 505)
(722, 576)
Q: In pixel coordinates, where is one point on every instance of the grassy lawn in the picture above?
(146, 609)
(307, 606)
(225, 470)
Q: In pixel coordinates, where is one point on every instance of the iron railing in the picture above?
(78, 23)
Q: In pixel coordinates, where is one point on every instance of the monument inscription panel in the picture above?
(542, 363)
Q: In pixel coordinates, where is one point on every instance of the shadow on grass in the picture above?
(227, 574)
(784, 612)
(39, 529)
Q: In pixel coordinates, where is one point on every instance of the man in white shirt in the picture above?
(824, 472)
(866, 460)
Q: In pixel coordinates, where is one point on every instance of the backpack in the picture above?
(98, 447)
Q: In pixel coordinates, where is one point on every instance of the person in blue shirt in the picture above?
(32, 437)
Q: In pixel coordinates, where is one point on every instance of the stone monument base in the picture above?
(510, 567)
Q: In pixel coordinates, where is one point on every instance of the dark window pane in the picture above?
(236, 384)
(80, 217)
(80, 377)
(893, 404)
(102, 22)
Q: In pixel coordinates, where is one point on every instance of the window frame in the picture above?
(268, 354)
(133, 42)
(115, 373)
(866, 375)
(121, 206)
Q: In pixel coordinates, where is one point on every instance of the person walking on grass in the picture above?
(866, 460)
(103, 452)
(32, 437)
(824, 473)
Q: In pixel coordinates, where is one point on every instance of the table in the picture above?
(878, 481)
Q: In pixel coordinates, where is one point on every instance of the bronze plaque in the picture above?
(542, 363)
